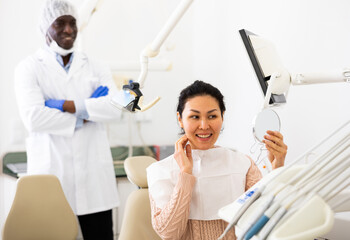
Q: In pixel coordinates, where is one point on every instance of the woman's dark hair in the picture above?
(200, 88)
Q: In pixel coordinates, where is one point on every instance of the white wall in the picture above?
(208, 47)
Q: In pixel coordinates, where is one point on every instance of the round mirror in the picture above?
(265, 120)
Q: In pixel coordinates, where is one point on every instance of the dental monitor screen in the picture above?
(265, 61)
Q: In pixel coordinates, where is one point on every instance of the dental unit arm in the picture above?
(152, 51)
(128, 98)
(86, 11)
(280, 81)
(273, 77)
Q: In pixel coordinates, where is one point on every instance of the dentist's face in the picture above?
(64, 31)
(202, 121)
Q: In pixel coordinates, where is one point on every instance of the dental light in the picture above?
(129, 97)
(153, 49)
(273, 77)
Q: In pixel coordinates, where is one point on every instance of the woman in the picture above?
(189, 187)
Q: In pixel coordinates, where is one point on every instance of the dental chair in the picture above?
(137, 214)
(40, 211)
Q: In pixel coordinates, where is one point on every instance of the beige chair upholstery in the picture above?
(40, 211)
(137, 214)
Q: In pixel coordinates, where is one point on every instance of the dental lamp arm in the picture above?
(153, 49)
(88, 8)
(91, 6)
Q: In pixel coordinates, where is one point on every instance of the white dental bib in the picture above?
(220, 179)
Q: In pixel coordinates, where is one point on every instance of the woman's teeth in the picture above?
(203, 136)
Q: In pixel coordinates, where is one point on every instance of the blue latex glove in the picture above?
(53, 103)
(100, 92)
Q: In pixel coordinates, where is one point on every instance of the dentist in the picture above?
(63, 100)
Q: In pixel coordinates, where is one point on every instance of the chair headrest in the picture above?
(40, 210)
(135, 168)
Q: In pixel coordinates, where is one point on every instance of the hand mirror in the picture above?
(265, 120)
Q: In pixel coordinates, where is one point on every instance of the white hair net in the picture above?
(54, 9)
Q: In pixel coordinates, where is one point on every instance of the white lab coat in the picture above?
(80, 158)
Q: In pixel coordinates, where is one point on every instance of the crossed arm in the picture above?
(69, 105)
(59, 117)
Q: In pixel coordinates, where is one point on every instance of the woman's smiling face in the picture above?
(202, 121)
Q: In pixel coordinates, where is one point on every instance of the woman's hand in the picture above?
(276, 147)
(182, 157)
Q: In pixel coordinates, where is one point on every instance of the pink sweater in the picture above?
(172, 221)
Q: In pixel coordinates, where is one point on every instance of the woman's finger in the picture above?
(274, 146)
(181, 143)
(178, 142)
(275, 133)
(184, 142)
(189, 152)
(277, 139)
